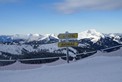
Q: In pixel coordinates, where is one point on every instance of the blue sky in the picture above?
(57, 16)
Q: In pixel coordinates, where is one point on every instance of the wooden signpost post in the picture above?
(66, 36)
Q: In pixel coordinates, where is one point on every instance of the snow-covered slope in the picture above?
(17, 49)
(95, 69)
(116, 53)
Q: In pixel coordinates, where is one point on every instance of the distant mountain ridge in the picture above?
(19, 38)
(91, 34)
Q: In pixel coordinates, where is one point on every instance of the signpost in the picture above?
(67, 44)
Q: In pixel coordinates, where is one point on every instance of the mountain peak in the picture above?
(91, 34)
(91, 31)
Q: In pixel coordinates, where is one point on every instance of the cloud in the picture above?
(9, 1)
(71, 6)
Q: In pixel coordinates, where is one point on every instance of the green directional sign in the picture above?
(67, 44)
(69, 35)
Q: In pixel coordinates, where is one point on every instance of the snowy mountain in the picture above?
(91, 34)
(4, 38)
(49, 38)
(89, 40)
(26, 38)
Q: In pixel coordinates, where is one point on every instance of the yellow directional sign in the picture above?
(67, 44)
(69, 35)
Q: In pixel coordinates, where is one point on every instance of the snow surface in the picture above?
(92, 69)
(20, 66)
(110, 54)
